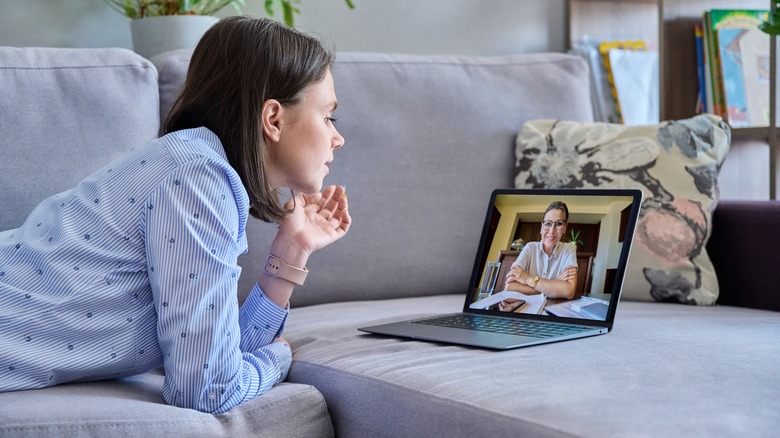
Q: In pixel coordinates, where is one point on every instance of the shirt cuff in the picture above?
(261, 366)
(284, 356)
(261, 317)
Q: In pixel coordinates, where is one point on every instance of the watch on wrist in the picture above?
(536, 280)
(278, 268)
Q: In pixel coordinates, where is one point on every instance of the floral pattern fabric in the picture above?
(675, 164)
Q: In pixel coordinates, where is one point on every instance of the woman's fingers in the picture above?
(345, 219)
(327, 202)
(332, 205)
(335, 207)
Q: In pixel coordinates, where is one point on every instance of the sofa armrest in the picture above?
(744, 249)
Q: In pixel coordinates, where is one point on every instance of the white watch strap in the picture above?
(276, 267)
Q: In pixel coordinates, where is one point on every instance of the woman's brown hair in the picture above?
(559, 205)
(239, 63)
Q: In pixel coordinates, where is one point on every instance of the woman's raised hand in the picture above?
(316, 220)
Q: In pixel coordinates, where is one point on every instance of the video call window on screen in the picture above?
(591, 240)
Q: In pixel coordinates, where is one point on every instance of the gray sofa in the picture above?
(427, 139)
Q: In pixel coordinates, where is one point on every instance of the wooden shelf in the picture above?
(749, 168)
(761, 133)
(634, 19)
(679, 81)
(677, 51)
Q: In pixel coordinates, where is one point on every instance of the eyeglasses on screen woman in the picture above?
(549, 224)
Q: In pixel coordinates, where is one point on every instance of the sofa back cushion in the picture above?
(64, 113)
(427, 139)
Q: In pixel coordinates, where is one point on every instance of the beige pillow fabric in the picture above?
(675, 164)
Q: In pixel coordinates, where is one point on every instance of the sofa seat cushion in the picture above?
(665, 370)
(134, 406)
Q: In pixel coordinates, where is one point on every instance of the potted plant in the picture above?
(575, 237)
(159, 26)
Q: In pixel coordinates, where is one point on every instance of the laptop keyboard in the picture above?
(509, 326)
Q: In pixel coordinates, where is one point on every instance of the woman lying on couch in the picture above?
(136, 267)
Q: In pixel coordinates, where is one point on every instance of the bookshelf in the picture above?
(669, 25)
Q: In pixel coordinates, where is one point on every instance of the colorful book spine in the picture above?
(743, 49)
(716, 80)
(701, 95)
(604, 49)
(709, 105)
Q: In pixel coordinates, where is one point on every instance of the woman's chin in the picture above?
(308, 188)
(313, 190)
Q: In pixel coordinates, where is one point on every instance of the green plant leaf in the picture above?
(772, 25)
(575, 237)
(770, 28)
(150, 8)
(289, 13)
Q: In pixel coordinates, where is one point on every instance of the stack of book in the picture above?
(624, 80)
(733, 65)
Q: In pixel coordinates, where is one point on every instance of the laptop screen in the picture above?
(554, 253)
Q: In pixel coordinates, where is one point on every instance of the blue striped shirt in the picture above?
(134, 268)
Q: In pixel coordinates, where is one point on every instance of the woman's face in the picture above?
(307, 139)
(553, 227)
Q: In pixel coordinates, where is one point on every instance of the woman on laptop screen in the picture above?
(546, 267)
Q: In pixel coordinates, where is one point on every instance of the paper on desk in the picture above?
(585, 307)
(535, 302)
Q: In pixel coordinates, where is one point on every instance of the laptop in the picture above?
(499, 313)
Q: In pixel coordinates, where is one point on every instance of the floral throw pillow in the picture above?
(675, 164)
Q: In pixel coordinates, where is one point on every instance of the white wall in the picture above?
(482, 27)
(608, 256)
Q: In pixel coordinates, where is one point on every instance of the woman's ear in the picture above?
(271, 119)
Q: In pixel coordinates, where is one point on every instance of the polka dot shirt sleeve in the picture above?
(194, 233)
